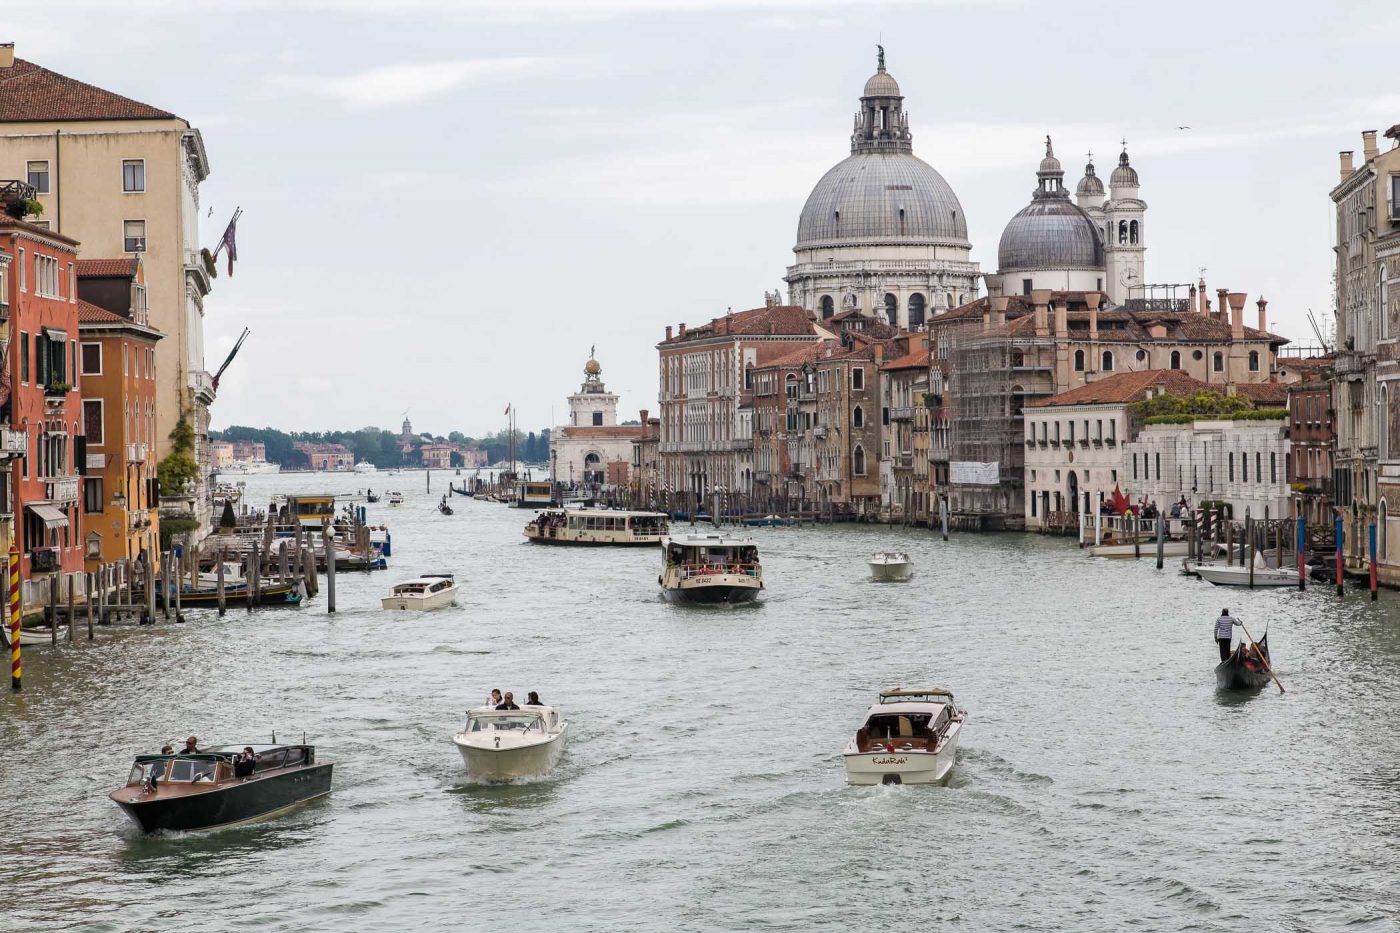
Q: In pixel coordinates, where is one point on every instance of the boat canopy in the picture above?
(916, 694)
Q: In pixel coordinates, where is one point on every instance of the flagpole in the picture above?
(223, 240)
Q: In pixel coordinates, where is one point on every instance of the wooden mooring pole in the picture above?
(330, 569)
(91, 581)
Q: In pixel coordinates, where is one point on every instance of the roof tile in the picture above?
(30, 93)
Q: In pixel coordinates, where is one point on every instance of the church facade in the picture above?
(581, 451)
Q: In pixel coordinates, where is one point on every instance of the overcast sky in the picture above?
(446, 203)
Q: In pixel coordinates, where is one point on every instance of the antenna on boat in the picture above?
(274, 736)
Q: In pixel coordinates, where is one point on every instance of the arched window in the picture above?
(901, 221)
(949, 299)
(1254, 361)
(858, 460)
(1107, 361)
(1141, 355)
(1079, 361)
(828, 307)
(892, 309)
(1217, 362)
(1122, 231)
(1176, 359)
(916, 310)
(857, 417)
(1132, 231)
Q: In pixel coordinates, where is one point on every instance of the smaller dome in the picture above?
(881, 84)
(1124, 175)
(1050, 165)
(1090, 185)
(592, 368)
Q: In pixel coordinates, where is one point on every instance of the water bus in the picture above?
(597, 527)
(710, 568)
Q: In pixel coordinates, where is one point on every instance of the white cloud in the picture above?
(409, 83)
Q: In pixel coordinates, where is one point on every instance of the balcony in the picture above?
(201, 384)
(4, 310)
(901, 414)
(819, 432)
(57, 392)
(1083, 442)
(13, 443)
(137, 520)
(741, 443)
(43, 560)
(938, 454)
(61, 490)
(136, 453)
(1348, 362)
(904, 460)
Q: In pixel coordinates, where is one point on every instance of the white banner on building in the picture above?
(972, 473)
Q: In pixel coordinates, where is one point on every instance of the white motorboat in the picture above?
(430, 591)
(710, 568)
(395, 498)
(1147, 547)
(890, 567)
(364, 466)
(502, 744)
(910, 736)
(1235, 575)
(250, 468)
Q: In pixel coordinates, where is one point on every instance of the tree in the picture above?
(178, 470)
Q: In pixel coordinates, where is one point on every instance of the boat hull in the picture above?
(504, 764)
(420, 603)
(652, 541)
(903, 766)
(1147, 548)
(1240, 576)
(713, 590)
(225, 805)
(1235, 673)
(891, 572)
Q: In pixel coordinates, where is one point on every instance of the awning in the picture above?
(56, 335)
(51, 516)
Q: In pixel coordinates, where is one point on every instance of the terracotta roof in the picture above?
(778, 320)
(796, 358)
(89, 313)
(1264, 394)
(915, 360)
(7, 221)
(1122, 388)
(30, 93)
(104, 268)
(605, 430)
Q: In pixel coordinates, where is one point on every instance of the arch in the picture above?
(828, 307)
(892, 309)
(1122, 231)
(1107, 363)
(857, 417)
(858, 461)
(1079, 361)
(1176, 359)
(1072, 495)
(1254, 361)
(916, 309)
(1141, 355)
(1217, 362)
(1382, 539)
(949, 299)
(1132, 231)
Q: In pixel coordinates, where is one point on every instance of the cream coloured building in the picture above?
(580, 451)
(123, 177)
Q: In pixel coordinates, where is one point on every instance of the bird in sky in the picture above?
(1183, 127)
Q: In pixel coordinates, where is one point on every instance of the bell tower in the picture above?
(1125, 246)
(592, 405)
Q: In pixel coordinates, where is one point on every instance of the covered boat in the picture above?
(1245, 669)
(890, 567)
(910, 736)
(499, 744)
(710, 568)
(597, 527)
(214, 789)
(430, 591)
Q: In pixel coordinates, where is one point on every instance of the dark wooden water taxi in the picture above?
(212, 789)
(269, 594)
(1244, 669)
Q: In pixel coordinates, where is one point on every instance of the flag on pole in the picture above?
(1120, 501)
(229, 241)
(507, 411)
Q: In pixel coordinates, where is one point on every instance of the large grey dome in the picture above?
(889, 197)
(1050, 233)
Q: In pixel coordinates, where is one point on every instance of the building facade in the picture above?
(1243, 463)
(580, 451)
(123, 178)
(1311, 435)
(327, 458)
(882, 233)
(905, 417)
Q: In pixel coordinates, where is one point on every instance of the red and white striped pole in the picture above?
(16, 673)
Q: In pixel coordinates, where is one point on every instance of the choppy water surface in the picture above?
(1103, 784)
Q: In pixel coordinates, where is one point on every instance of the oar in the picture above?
(1263, 657)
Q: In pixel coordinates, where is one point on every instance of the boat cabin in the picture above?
(639, 523)
(311, 510)
(527, 722)
(903, 726)
(713, 553)
(534, 495)
(427, 584)
(215, 765)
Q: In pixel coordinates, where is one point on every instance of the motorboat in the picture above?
(597, 527)
(499, 744)
(1247, 667)
(250, 468)
(890, 567)
(1147, 547)
(215, 788)
(364, 466)
(710, 569)
(430, 591)
(395, 498)
(1235, 575)
(768, 521)
(910, 736)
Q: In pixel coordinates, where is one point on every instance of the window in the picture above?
(858, 460)
(92, 494)
(51, 357)
(1217, 362)
(37, 174)
(916, 310)
(1025, 286)
(1132, 231)
(1254, 361)
(133, 175)
(1230, 460)
(134, 236)
(1176, 359)
(23, 357)
(597, 418)
(1107, 361)
(1157, 458)
(46, 276)
(1258, 467)
(1079, 361)
(857, 417)
(1141, 355)
(858, 378)
(92, 421)
(892, 310)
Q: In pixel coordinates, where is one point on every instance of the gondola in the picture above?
(444, 508)
(1243, 670)
(371, 497)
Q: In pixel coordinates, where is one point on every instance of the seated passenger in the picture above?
(191, 746)
(509, 702)
(245, 763)
(167, 749)
(533, 699)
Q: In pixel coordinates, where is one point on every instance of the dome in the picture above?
(1124, 175)
(1090, 185)
(1050, 233)
(592, 368)
(881, 84)
(1050, 165)
(873, 196)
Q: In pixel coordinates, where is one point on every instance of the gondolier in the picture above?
(1225, 632)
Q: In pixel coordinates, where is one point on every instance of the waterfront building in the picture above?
(249, 450)
(117, 363)
(704, 372)
(645, 475)
(1311, 434)
(882, 233)
(327, 458)
(1243, 463)
(437, 456)
(42, 414)
(123, 178)
(473, 458)
(222, 452)
(780, 390)
(905, 415)
(581, 451)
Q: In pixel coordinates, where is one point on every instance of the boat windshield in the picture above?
(184, 770)
(507, 724)
(143, 771)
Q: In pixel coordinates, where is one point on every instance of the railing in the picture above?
(136, 453)
(741, 443)
(13, 443)
(4, 310)
(820, 431)
(137, 520)
(43, 560)
(708, 570)
(904, 460)
(202, 384)
(61, 488)
(901, 414)
(1348, 361)
(880, 265)
(937, 453)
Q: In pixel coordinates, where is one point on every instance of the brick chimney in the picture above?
(879, 353)
(1040, 301)
(1346, 164)
(999, 304)
(682, 330)
(1263, 317)
(7, 54)
(1093, 300)
(1191, 300)
(1369, 149)
(668, 331)
(1237, 314)
(1201, 296)
(1222, 303)
(644, 417)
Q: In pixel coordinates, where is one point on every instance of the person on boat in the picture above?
(533, 699)
(1225, 632)
(494, 700)
(245, 763)
(167, 749)
(509, 702)
(191, 746)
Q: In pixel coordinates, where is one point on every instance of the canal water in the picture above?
(1103, 784)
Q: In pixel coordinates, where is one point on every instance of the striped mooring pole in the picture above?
(16, 673)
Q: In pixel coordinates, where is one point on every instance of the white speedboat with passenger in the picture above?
(890, 567)
(430, 591)
(910, 736)
(710, 568)
(499, 744)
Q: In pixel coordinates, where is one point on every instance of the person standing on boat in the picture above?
(1225, 632)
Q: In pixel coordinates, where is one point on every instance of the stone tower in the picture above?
(1125, 244)
(592, 405)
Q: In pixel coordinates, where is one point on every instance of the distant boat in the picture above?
(1243, 669)
(890, 567)
(430, 591)
(251, 467)
(364, 466)
(396, 498)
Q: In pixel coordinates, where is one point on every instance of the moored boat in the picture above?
(890, 567)
(1147, 547)
(395, 498)
(534, 495)
(430, 591)
(1244, 669)
(1235, 575)
(268, 594)
(213, 788)
(499, 744)
(710, 569)
(597, 527)
(910, 736)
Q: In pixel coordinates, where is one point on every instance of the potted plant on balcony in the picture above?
(57, 388)
(20, 208)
